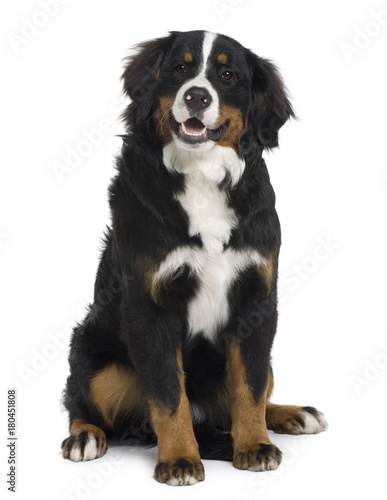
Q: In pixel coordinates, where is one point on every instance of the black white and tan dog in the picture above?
(176, 347)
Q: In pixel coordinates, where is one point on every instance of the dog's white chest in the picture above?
(216, 271)
(208, 212)
(209, 309)
(210, 217)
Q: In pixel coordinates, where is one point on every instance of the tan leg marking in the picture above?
(178, 461)
(291, 419)
(270, 386)
(116, 392)
(253, 449)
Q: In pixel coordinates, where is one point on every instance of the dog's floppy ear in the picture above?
(140, 78)
(271, 107)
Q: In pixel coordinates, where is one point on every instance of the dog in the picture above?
(175, 349)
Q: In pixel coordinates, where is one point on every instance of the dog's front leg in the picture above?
(153, 329)
(248, 359)
(178, 460)
(158, 363)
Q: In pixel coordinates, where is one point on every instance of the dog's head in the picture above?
(200, 89)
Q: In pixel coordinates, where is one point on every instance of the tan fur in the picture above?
(222, 58)
(285, 419)
(175, 436)
(154, 288)
(253, 449)
(232, 135)
(270, 386)
(115, 391)
(77, 426)
(247, 416)
(188, 57)
(267, 272)
(162, 118)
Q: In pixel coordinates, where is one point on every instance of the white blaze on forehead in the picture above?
(208, 42)
(179, 109)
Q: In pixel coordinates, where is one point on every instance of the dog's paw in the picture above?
(259, 458)
(284, 419)
(84, 446)
(180, 472)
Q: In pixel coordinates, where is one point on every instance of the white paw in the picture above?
(83, 447)
(314, 421)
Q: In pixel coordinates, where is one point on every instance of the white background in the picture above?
(330, 178)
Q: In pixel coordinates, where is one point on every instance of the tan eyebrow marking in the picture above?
(188, 57)
(222, 58)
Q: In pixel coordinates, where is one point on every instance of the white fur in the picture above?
(75, 454)
(210, 115)
(89, 453)
(186, 480)
(213, 165)
(206, 205)
(209, 214)
(312, 424)
(211, 218)
(216, 270)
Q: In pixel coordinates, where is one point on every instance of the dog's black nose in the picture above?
(197, 98)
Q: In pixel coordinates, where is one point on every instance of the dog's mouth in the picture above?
(193, 131)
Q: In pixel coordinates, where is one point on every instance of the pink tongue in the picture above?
(193, 126)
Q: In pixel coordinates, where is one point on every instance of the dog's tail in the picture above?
(213, 443)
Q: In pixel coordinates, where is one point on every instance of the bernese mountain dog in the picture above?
(175, 349)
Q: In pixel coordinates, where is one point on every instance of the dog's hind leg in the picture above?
(86, 442)
(113, 395)
(291, 419)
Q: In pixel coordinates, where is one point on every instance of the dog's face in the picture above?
(203, 92)
(200, 89)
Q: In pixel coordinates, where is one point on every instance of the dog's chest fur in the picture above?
(212, 218)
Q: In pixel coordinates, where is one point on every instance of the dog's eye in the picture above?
(227, 75)
(181, 68)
